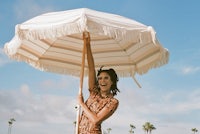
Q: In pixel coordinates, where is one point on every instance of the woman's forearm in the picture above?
(92, 116)
(90, 59)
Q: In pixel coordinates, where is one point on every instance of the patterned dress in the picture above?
(96, 103)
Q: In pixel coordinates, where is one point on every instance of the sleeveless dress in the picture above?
(96, 103)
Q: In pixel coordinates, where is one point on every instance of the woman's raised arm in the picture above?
(90, 59)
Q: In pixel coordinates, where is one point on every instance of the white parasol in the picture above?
(53, 42)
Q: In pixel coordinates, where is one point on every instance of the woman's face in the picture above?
(104, 81)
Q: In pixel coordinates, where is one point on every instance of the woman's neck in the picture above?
(105, 94)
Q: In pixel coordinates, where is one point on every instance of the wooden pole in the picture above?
(78, 108)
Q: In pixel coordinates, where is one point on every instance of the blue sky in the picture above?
(44, 102)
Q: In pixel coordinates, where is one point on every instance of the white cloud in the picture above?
(177, 102)
(185, 68)
(162, 111)
(32, 110)
(64, 83)
(190, 70)
(38, 112)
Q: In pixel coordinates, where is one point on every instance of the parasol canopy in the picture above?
(53, 42)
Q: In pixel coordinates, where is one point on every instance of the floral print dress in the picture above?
(96, 103)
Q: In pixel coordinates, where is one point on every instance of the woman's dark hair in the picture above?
(114, 78)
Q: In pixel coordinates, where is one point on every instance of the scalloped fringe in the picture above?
(163, 59)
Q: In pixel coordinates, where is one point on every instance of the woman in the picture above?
(101, 103)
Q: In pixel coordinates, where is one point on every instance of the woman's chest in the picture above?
(97, 103)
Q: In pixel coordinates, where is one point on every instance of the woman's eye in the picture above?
(99, 78)
(106, 77)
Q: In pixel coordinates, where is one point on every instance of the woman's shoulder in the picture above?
(112, 104)
(114, 100)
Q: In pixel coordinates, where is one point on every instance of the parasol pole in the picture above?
(78, 108)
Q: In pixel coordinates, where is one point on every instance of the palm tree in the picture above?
(132, 127)
(74, 126)
(109, 129)
(194, 130)
(148, 127)
(151, 128)
(10, 122)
